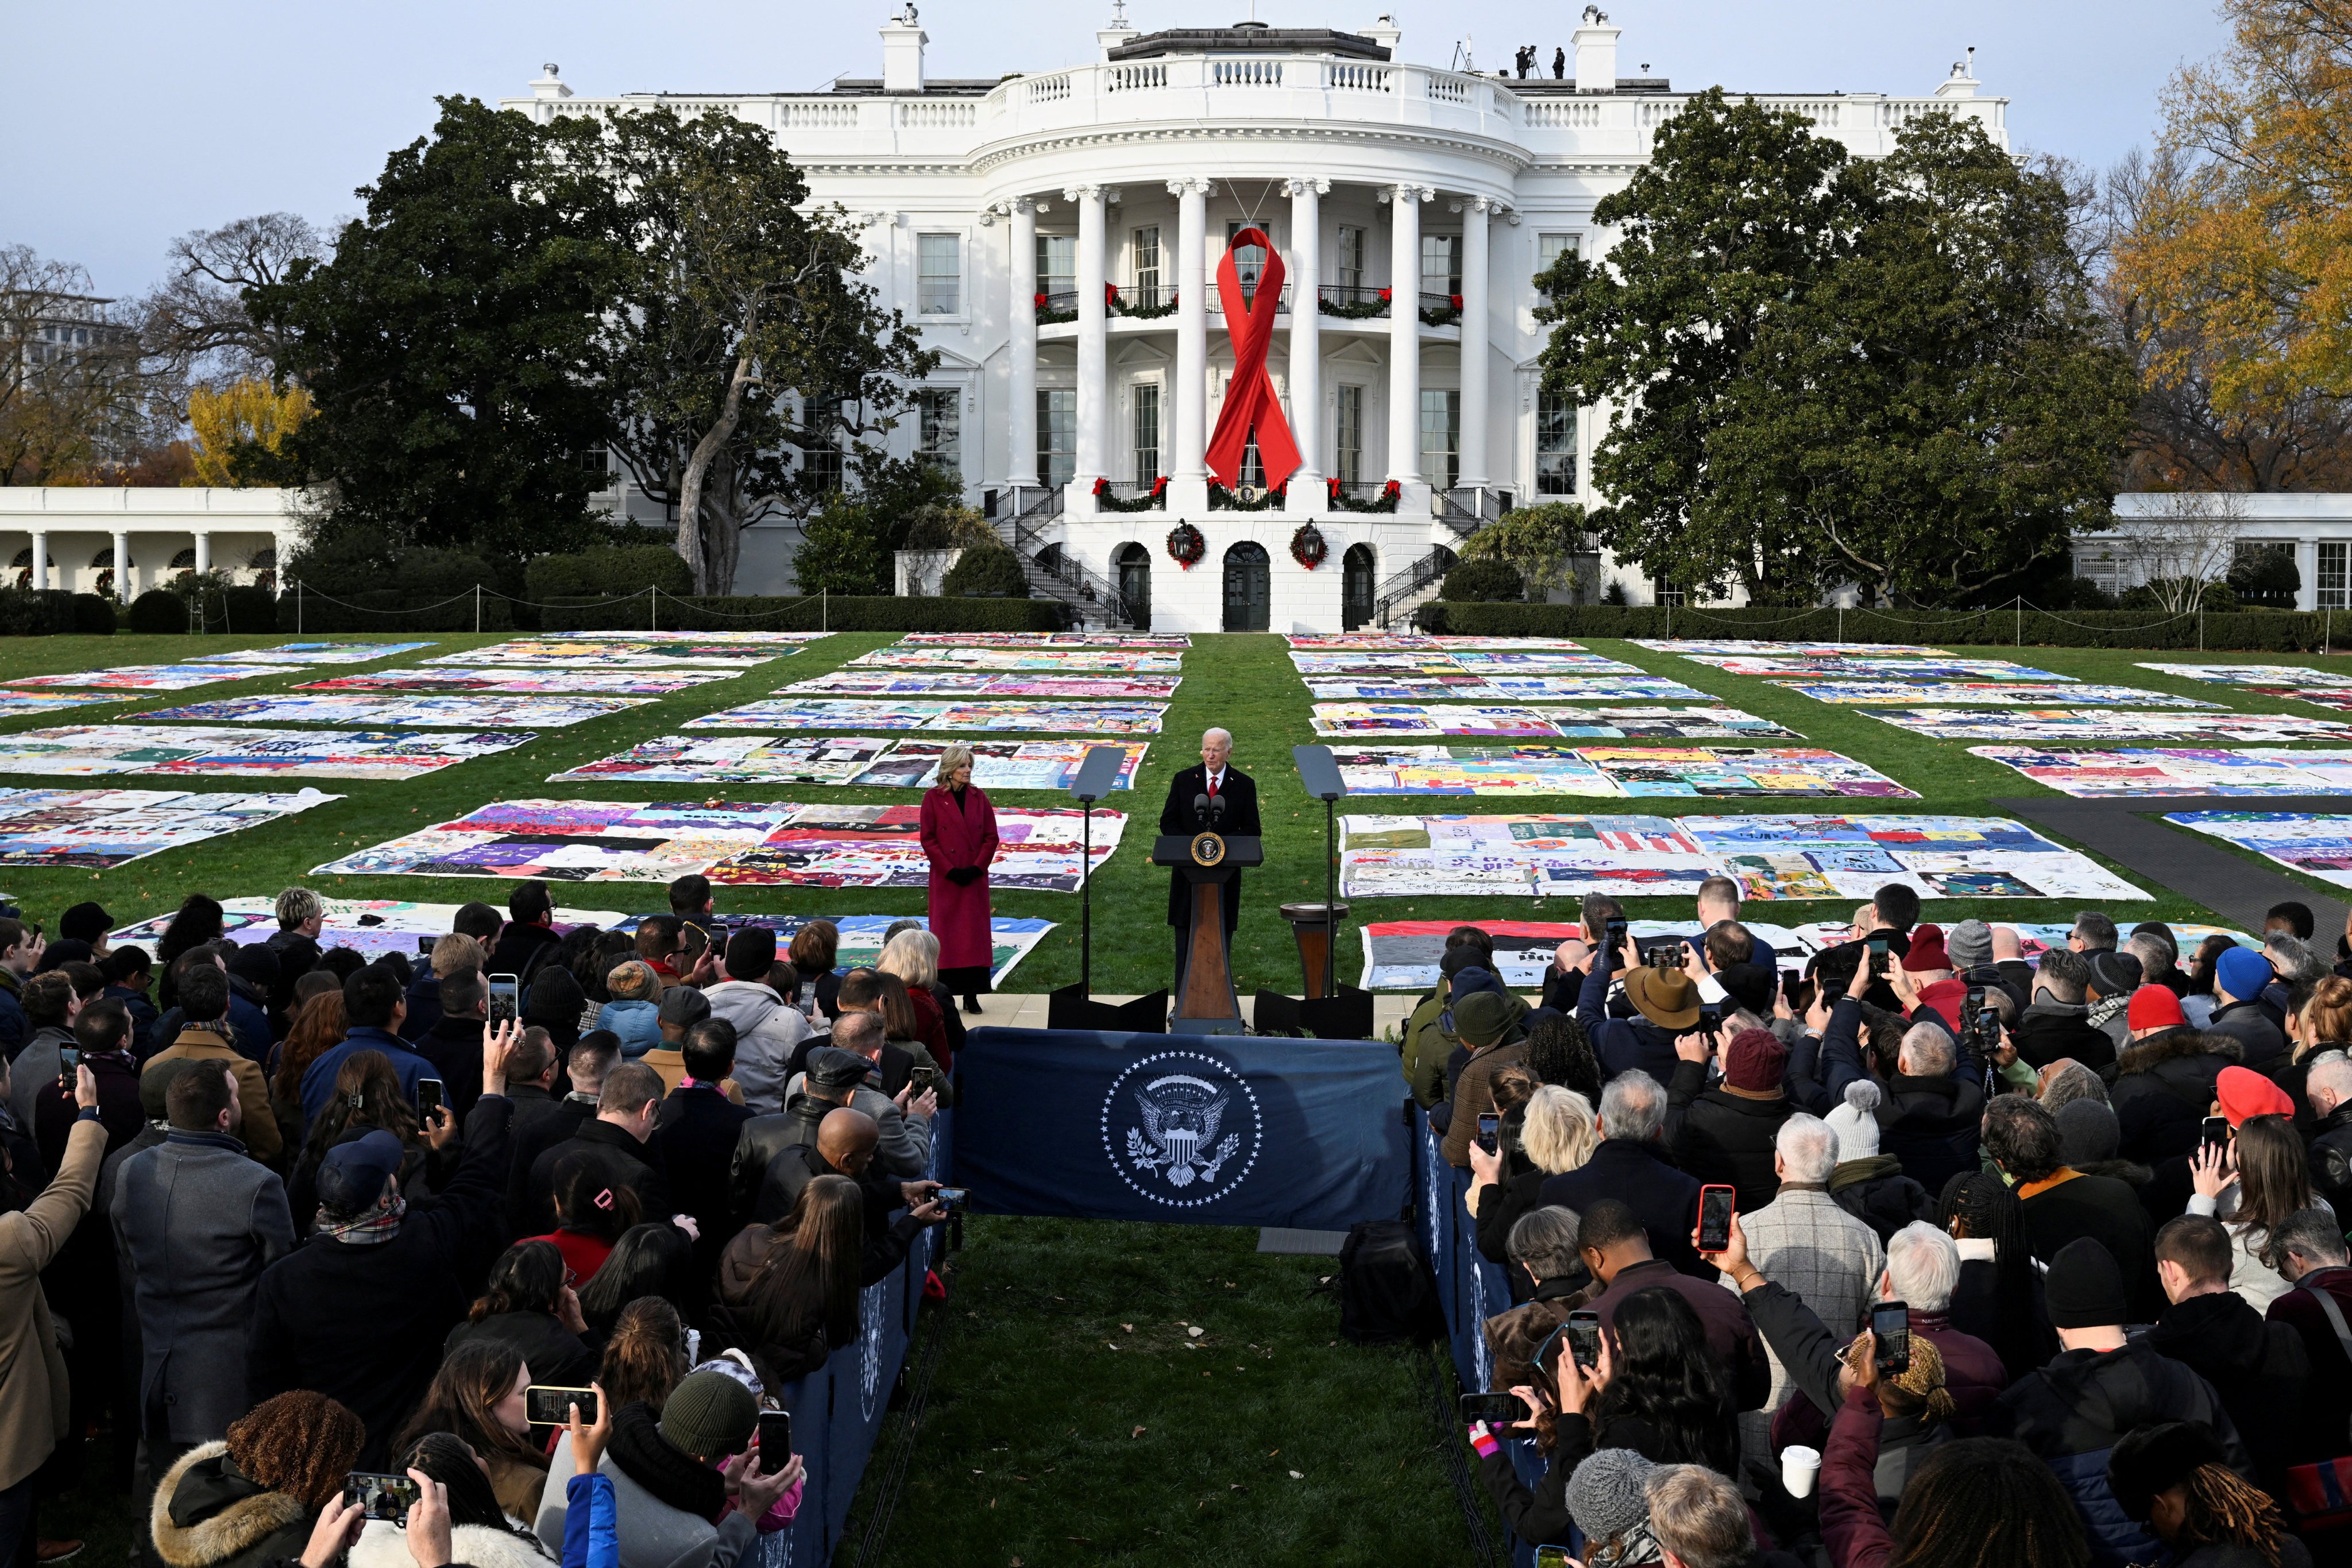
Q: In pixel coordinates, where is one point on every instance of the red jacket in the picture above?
(1851, 1526)
(952, 837)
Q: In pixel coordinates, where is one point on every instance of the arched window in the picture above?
(1358, 572)
(24, 567)
(1132, 564)
(1249, 587)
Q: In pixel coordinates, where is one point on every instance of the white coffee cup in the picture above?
(1799, 1468)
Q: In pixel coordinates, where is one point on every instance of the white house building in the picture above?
(1058, 236)
(2201, 534)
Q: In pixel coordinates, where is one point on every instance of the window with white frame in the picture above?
(1146, 250)
(1555, 445)
(1550, 247)
(1348, 429)
(1249, 261)
(1057, 263)
(1441, 437)
(1350, 257)
(1057, 434)
(938, 426)
(1440, 264)
(1145, 430)
(938, 274)
(2334, 568)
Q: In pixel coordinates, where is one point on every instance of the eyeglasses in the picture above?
(570, 1277)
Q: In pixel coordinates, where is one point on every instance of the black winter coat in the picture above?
(1722, 1139)
(2264, 1041)
(2050, 1031)
(539, 1125)
(2260, 1370)
(1878, 1193)
(2163, 1086)
(1930, 1125)
(694, 1134)
(622, 1161)
(1643, 1177)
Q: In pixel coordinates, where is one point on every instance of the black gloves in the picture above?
(964, 876)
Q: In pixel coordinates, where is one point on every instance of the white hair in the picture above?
(2154, 954)
(1225, 735)
(1923, 1265)
(1556, 1130)
(1808, 1148)
(1929, 1050)
(913, 956)
(1634, 1107)
(2332, 1073)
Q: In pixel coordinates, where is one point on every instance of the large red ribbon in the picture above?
(1249, 403)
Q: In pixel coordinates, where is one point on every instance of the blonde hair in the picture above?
(953, 755)
(1556, 1130)
(454, 951)
(913, 956)
(632, 979)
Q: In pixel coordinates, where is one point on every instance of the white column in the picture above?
(1474, 211)
(1094, 348)
(123, 567)
(203, 553)
(41, 559)
(1021, 424)
(1404, 333)
(1307, 341)
(1188, 484)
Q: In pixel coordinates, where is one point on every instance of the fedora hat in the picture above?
(1664, 997)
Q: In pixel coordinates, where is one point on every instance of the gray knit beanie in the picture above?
(1970, 944)
(1609, 1500)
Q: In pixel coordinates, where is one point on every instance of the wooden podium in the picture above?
(1205, 1003)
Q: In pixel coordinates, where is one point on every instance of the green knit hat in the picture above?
(710, 1416)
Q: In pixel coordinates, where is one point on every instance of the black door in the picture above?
(1135, 584)
(1249, 588)
(1356, 587)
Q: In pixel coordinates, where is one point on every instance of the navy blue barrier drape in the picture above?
(1181, 1129)
(837, 1410)
(1471, 1289)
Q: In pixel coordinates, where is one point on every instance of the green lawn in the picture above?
(1029, 1451)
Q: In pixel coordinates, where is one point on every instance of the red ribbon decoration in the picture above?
(1250, 402)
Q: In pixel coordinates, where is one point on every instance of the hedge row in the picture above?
(2239, 631)
(391, 610)
(606, 573)
(40, 612)
(840, 613)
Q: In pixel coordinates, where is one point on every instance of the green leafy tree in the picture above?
(751, 369)
(1539, 541)
(1888, 373)
(451, 345)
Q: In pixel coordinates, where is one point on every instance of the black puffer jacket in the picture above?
(1877, 1192)
(2162, 1087)
(2260, 1369)
(1930, 1125)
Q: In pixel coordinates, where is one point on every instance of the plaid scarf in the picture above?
(368, 1229)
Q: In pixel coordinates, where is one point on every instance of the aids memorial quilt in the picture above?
(1000, 764)
(2295, 683)
(526, 682)
(774, 844)
(97, 829)
(1736, 771)
(632, 650)
(1983, 693)
(1109, 686)
(35, 704)
(882, 713)
(1772, 858)
(313, 653)
(1692, 647)
(734, 759)
(1404, 955)
(2167, 770)
(2108, 724)
(1372, 641)
(1870, 669)
(2318, 846)
(1512, 723)
(157, 677)
(1046, 660)
(391, 710)
(95, 750)
(1140, 640)
(372, 926)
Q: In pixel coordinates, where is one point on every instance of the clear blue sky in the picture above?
(124, 122)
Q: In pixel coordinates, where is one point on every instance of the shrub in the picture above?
(159, 612)
(2266, 577)
(837, 611)
(93, 615)
(241, 611)
(938, 527)
(843, 550)
(612, 574)
(1486, 582)
(985, 572)
(42, 612)
(2252, 631)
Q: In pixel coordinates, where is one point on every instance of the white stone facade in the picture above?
(1368, 174)
(94, 538)
(2156, 536)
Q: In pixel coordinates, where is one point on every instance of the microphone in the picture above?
(1216, 808)
(1201, 808)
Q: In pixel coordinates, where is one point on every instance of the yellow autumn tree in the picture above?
(2242, 255)
(248, 412)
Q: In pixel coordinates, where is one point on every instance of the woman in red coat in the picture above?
(958, 834)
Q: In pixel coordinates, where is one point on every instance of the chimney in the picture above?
(1962, 83)
(550, 85)
(1385, 33)
(902, 53)
(1120, 31)
(1596, 52)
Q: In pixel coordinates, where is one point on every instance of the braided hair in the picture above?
(1986, 1502)
(2225, 1510)
(1979, 1205)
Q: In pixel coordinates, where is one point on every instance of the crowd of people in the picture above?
(2027, 1262)
(277, 1212)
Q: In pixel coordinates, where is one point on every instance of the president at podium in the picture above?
(1213, 797)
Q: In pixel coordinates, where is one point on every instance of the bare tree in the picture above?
(79, 395)
(197, 316)
(2184, 542)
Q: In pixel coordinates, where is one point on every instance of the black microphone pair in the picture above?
(1208, 808)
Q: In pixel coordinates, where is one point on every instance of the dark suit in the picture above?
(694, 1134)
(1239, 792)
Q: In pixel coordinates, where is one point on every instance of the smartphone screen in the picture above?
(1504, 1409)
(425, 946)
(503, 1005)
(1489, 1129)
(775, 1439)
(1552, 1557)
(955, 1200)
(1584, 1337)
(1877, 946)
(2216, 1133)
(1715, 1212)
(1891, 1322)
(429, 1096)
(544, 1405)
(380, 1496)
(1616, 932)
(68, 1058)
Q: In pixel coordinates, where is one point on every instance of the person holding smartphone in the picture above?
(690, 1484)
